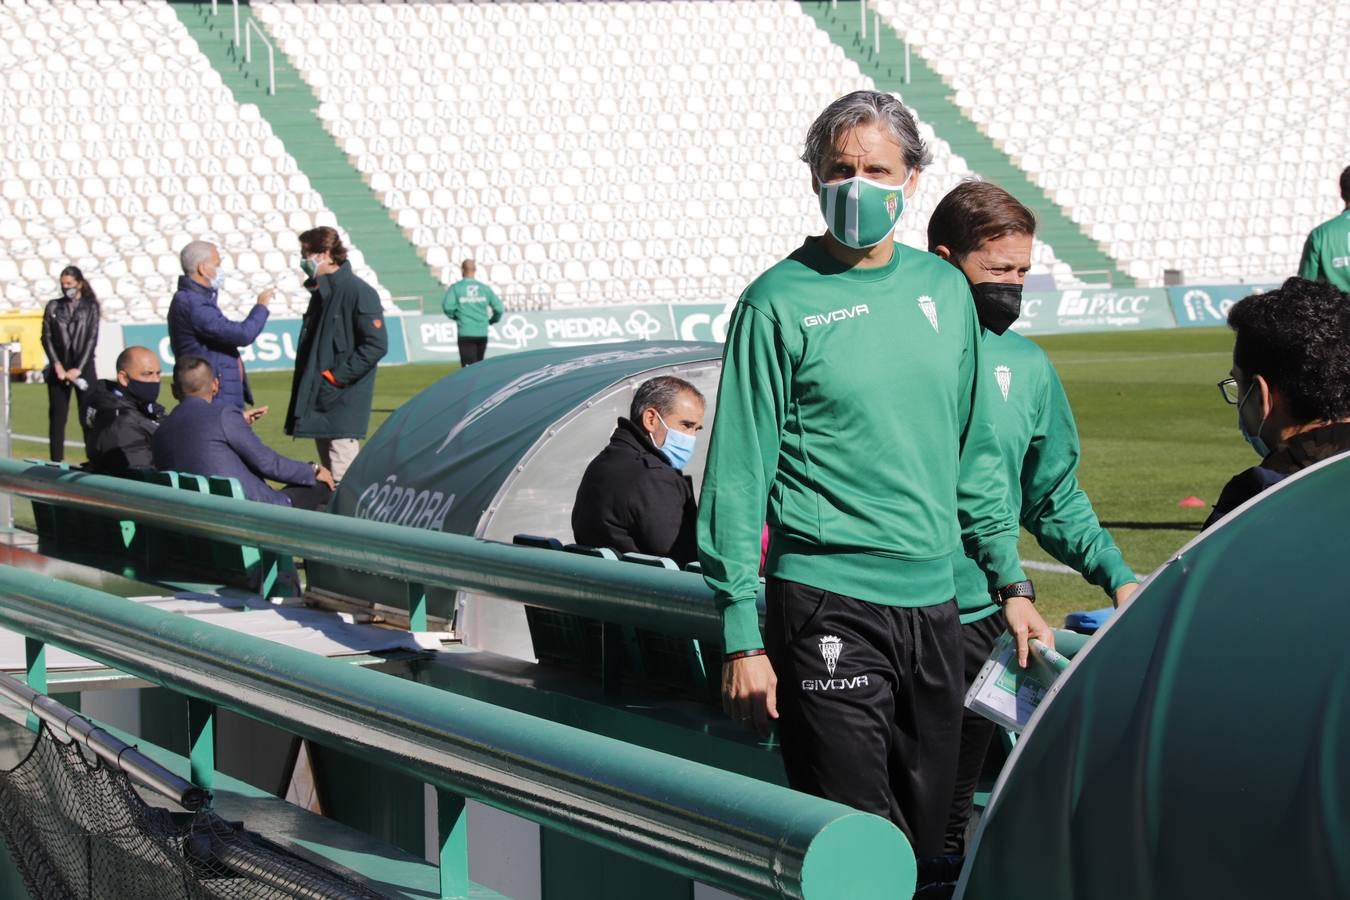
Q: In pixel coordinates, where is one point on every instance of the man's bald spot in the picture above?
(136, 359)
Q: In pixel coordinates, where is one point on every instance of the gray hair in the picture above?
(864, 108)
(194, 254)
(660, 394)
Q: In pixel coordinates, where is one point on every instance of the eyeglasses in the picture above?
(1229, 389)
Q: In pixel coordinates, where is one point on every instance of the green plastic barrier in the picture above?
(723, 829)
(676, 603)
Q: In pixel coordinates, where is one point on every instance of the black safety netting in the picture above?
(77, 829)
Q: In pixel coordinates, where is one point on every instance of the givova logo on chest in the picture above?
(836, 315)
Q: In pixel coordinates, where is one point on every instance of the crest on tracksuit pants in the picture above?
(829, 649)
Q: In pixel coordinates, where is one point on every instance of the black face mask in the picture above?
(997, 304)
(145, 392)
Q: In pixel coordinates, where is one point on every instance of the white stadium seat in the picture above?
(117, 153)
(679, 110)
(1190, 105)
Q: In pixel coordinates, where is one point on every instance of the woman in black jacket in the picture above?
(69, 337)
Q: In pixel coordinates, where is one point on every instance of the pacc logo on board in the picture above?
(1076, 303)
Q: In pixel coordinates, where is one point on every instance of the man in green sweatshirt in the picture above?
(849, 416)
(474, 306)
(982, 230)
(1326, 254)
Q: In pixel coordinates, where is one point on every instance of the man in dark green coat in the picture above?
(342, 340)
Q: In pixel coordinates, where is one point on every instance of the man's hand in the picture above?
(750, 691)
(266, 297)
(72, 375)
(1124, 593)
(254, 414)
(323, 476)
(60, 370)
(1025, 623)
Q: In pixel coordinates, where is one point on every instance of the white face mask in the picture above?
(218, 279)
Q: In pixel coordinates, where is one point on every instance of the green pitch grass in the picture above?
(1153, 427)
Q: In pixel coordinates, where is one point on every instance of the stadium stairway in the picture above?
(291, 113)
(931, 98)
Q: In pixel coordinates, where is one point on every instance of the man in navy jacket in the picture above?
(197, 327)
(207, 437)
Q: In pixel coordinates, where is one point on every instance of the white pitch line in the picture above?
(34, 439)
(1085, 360)
(1057, 568)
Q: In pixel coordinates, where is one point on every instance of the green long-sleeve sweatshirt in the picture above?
(849, 414)
(473, 305)
(1038, 450)
(1326, 253)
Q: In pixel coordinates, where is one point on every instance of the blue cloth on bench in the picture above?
(1088, 621)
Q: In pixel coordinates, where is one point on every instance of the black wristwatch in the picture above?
(1016, 589)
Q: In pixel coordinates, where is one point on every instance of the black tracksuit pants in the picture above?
(869, 700)
(471, 350)
(977, 732)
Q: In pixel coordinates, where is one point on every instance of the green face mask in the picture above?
(309, 267)
(860, 212)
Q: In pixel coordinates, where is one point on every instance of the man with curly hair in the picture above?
(1290, 383)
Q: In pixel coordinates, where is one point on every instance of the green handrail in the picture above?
(676, 603)
(747, 836)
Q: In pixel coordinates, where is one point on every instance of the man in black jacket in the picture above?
(633, 497)
(123, 415)
(1290, 383)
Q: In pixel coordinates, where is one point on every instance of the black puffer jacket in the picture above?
(119, 431)
(70, 334)
(633, 501)
(1300, 452)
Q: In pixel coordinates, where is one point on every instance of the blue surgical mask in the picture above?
(217, 279)
(1255, 440)
(679, 447)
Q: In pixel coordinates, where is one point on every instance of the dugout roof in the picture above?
(1198, 746)
(498, 449)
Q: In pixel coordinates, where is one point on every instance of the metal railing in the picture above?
(215, 11)
(727, 830)
(7, 352)
(250, 26)
(115, 753)
(676, 603)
